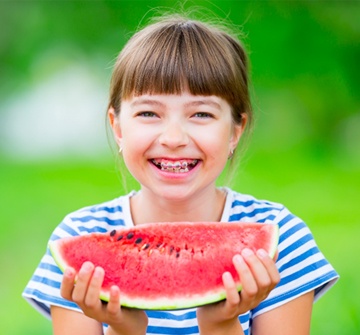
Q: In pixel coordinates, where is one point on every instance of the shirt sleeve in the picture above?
(43, 289)
(301, 265)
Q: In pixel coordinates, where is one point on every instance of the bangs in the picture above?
(172, 58)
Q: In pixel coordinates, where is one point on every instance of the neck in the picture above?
(205, 207)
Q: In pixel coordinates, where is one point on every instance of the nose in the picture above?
(174, 135)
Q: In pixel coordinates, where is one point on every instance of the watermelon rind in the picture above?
(170, 304)
(274, 241)
(59, 260)
(166, 303)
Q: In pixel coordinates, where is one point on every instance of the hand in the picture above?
(258, 275)
(86, 295)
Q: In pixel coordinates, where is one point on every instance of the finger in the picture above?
(276, 255)
(82, 282)
(92, 298)
(113, 305)
(67, 284)
(232, 294)
(249, 286)
(258, 270)
(270, 266)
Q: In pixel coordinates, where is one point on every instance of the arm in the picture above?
(291, 318)
(66, 321)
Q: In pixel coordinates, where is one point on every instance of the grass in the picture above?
(35, 198)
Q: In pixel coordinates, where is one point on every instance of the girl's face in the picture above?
(175, 145)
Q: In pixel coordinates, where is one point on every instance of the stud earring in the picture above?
(120, 149)
(231, 153)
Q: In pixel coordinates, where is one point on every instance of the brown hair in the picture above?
(175, 54)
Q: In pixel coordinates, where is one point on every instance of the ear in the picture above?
(115, 125)
(238, 130)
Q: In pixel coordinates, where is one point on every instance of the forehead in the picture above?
(185, 99)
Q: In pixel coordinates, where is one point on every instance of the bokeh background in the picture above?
(55, 65)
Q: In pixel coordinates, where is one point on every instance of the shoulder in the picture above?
(100, 218)
(245, 207)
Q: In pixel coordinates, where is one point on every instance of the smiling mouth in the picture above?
(179, 166)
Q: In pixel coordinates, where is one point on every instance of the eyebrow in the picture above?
(195, 103)
(146, 101)
(203, 101)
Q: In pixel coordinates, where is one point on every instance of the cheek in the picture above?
(135, 142)
(134, 136)
(216, 141)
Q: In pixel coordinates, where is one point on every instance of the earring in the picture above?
(118, 140)
(231, 153)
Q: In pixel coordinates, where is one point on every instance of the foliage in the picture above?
(304, 151)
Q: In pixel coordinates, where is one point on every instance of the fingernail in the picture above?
(238, 259)
(262, 253)
(86, 267)
(247, 252)
(227, 276)
(98, 272)
(68, 272)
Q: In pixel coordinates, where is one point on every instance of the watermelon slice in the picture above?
(166, 265)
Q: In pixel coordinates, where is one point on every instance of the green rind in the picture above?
(166, 304)
(57, 256)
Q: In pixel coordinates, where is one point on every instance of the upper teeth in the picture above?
(175, 166)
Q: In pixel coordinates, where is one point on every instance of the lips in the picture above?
(175, 166)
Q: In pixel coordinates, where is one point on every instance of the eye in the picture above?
(146, 114)
(203, 115)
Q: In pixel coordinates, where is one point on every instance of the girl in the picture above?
(179, 105)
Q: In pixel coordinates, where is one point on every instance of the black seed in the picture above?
(145, 246)
(158, 245)
(138, 240)
(130, 235)
(177, 254)
(171, 249)
(120, 238)
(113, 232)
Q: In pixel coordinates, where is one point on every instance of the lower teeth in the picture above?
(176, 170)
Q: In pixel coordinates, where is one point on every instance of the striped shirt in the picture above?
(302, 266)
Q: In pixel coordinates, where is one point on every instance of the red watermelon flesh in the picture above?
(166, 265)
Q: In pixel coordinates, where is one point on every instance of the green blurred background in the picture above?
(55, 64)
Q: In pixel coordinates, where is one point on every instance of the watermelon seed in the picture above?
(177, 254)
(138, 240)
(171, 249)
(113, 232)
(145, 246)
(120, 238)
(130, 235)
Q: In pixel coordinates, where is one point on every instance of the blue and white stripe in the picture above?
(301, 264)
